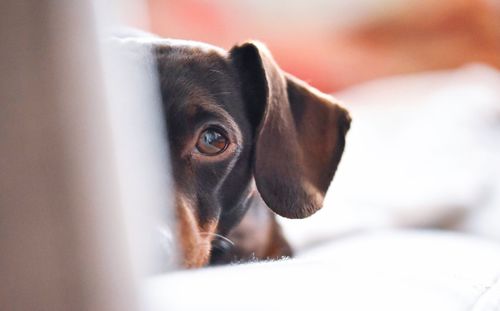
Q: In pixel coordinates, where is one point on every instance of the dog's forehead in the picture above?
(190, 71)
(186, 63)
(186, 60)
(198, 81)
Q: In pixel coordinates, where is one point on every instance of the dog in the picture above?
(247, 141)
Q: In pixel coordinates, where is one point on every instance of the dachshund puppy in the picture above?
(246, 141)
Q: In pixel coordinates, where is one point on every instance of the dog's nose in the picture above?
(222, 245)
(221, 248)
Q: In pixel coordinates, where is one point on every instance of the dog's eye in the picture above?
(212, 142)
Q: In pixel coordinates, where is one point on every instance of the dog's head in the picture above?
(237, 122)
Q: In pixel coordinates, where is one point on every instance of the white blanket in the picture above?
(388, 271)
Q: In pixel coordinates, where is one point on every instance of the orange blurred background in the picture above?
(335, 44)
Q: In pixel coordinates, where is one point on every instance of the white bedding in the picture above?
(389, 271)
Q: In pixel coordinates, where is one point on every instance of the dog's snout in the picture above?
(222, 245)
(221, 249)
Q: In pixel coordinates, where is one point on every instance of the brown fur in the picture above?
(285, 140)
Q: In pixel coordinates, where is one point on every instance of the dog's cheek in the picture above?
(195, 239)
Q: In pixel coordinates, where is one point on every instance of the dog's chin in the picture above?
(195, 238)
(196, 258)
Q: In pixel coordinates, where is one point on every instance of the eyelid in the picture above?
(214, 125)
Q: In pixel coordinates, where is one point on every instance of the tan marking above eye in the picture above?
(212, 141)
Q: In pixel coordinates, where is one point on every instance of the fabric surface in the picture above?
(387, 270)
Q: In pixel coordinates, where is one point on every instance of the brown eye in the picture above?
(212, 142)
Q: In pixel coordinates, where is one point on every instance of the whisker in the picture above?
(219, 236)
(216, 71)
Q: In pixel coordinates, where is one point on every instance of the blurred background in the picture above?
(421, 81)
(335, 44)
(80, 132)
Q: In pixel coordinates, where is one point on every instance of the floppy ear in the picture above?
(299, 133)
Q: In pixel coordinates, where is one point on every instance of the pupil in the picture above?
(211, 137)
